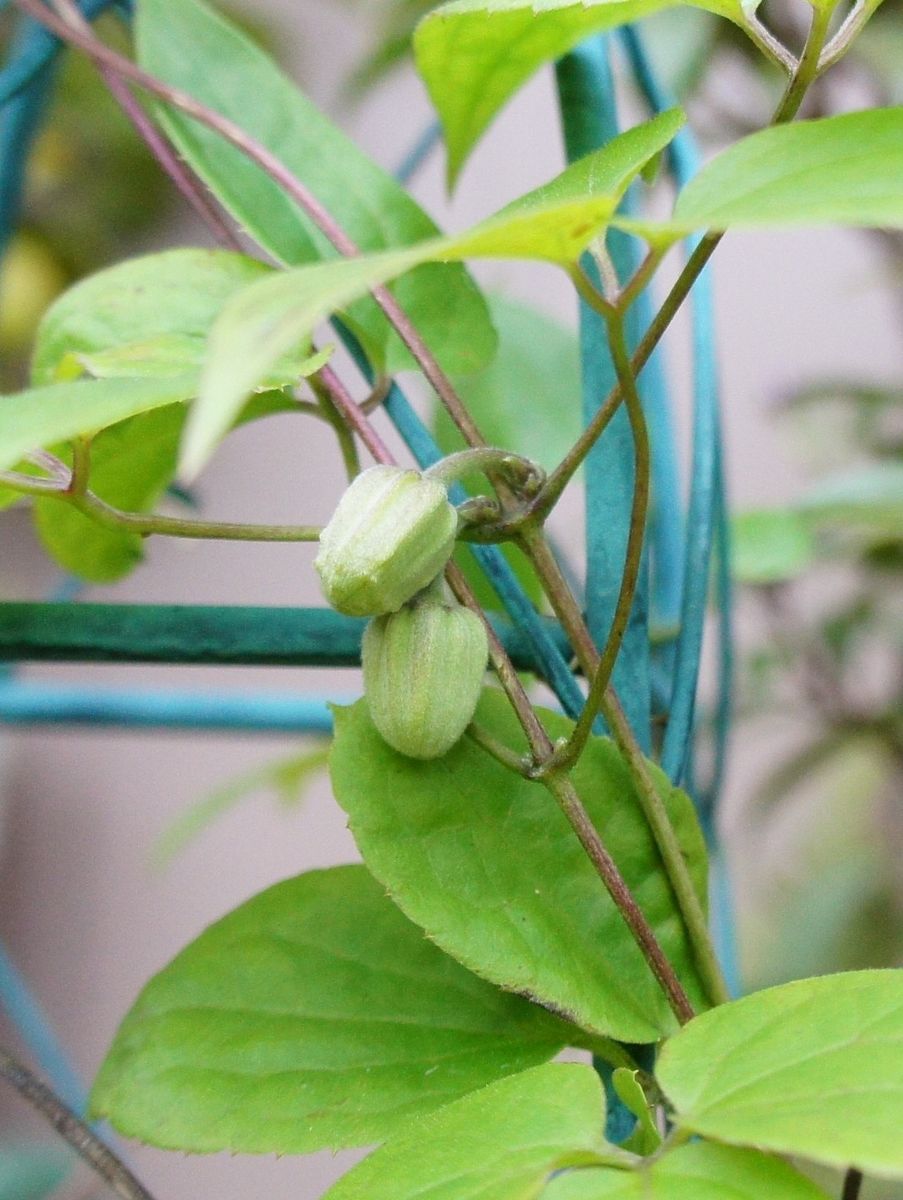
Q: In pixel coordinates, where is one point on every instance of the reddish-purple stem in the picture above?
(184, 179)
(281, 175)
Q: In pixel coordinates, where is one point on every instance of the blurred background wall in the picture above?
(85, 911)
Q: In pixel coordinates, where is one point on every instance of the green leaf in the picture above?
(812, 1068)
(770, 546)
(287, 777)
(527, 399)
(144, 318)
(486, 863)
(231, 75)
(177, 354)
(536, 371)
(490, 48)
(502, 1142)
(698, 1172)
(313, 1016)
(43, 416)
(608, 171)
(132, 463)
(645, 1138)
(554, 223)
(869, 498)
(174, 295)
(842, 170)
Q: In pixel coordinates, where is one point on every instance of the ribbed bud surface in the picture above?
(391, 535)
(423, 673)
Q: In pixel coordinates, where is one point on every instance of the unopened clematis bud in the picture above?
(391, 535)
(423, 673)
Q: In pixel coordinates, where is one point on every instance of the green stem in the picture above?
(345, 437)
(641, 277)
(106, 515)
(808, 68)
(575, 457)
(498, 750)
(29, 485)
(521, 473)
(669, 848)
(81, 467)
(537, 738)
(806, 71)
(601, 679)
(568, 613)
(562, 788)
(145, 526)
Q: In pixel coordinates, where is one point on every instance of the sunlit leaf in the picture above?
(645, 1138)
(156, 298)
(147, 318)
(490, 48)
(501, 1142)
(698, 1172)
(43, 416)
(812, 1068)
(842, 170)
(554, 223)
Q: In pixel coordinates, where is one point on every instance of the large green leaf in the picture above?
(699, 1172)
(489, 48)
(812, 1068)
(146, 317)
(555, 223)
(178, 293)
(43, 416)
(312, 1016)
(485, 861)
(149, 317)
(842, 170)
(502, 1142)
(228, 73)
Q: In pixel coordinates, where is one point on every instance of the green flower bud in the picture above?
(423, 673)
(391, 535)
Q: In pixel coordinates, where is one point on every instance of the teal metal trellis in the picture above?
(673, 590)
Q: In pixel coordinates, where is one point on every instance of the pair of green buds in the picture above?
(424, 656)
